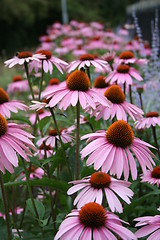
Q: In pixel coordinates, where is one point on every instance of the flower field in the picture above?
(79, 136)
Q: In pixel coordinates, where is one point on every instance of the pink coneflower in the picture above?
(93, 187)
(41, 113)
(18, 85)
(77, 88)
(128, 57)
(44, 151)
(53, 84)
(151, 119)
(48, 62)
(13, 140)
(35, 173)
(152, 177)
(150, 225)
(23, 57)
(92, 221)
(111, 150)
(124, 74)
(100, 84)
(86, 60)
(119, 106)
(51, 139)
(7, 106)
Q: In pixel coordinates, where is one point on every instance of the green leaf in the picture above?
(35, 161)
(45, 122)
(58, 158)
(54, 183)
(44, 222)
(21, 118)
(39, 206)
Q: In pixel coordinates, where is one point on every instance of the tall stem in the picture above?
(5, 206)
(77, 139)
(155, 140)
(41, 82)
(141, 102)
(29, 81)
(60, 139)
(29, 189)
(88, 73)
(130, 94)
(124, 88)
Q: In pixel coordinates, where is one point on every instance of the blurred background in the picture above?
(22, 22)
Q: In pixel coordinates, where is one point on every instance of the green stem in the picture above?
(88, 73)
(5, 202)
(141, 102)
(29, 189)
(29, 81)
(77, 139)
(41, 83)
(60, 139)
(24, 209)
(130, 94)
(124, 88)
(155, 140)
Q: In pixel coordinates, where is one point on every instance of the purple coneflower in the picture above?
(152, 177)
(48, 62)
(77, 88)
(18, 85)
(124, 74)
(86, 60)
(92, 221)
(150, 225)
(151, 119)
(92, 189)
(119, 106)
(112, 150)
(23, 57)
(7, 106)
(13, 140)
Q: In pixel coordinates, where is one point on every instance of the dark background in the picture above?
(23, 21)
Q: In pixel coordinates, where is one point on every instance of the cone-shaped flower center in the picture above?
(120, 134)
(17, 78)
(126, 55)
(48, 39)
(152, 114)
(156, 172)
(54, 81)
(25, 54)
(99, 82)
(47, 53)
(40, 111)
(53, 132)
(86, 57)
(3, 96)
(123, 68)
(115, 94)
(92, 215)
(3, 125)
(78, 80)
(44, 146)
(100, 180)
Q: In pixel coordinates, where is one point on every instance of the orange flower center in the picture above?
(43, 146)
(100, 180)
(123, 68)
(40, 111)
(3, 96)
(3, 125)
(120, 134)
(24, 54)
(54, 81)
(48, 39)
(99, 82)
(115, 94)
(53, 132)
(17, 78)
(156, 172)
(92, 215)
(78, 80)
(152, 114)
(47, 53)
(86, 57)
(126, 55)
